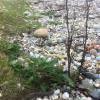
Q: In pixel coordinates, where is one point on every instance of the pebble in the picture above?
(1, 95)
(93, 57)
(83, 98)
(45, 98)
(89, 98)
(77, 63)
(93, 52)
(41, 33)
(56, 92)
(88, 58)
(25, 34)
(97, 85)
(65, 95)
(19, 85)
(54, 97)
(38, 99)
(49, 59)
(37, 55)
(31, 54)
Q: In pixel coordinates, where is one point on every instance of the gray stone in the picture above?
(96, 94)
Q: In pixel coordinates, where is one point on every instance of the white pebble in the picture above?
(38, 99)
(45, 98)
(0, 94)
(19, 85)
(54, 97)
(87, 58)
(83, 98)
(57, 91)
(31, 54)
(89, 98)
(97, 85)
(86, 98)
(91, 81)
(65, 96)
(49, 59)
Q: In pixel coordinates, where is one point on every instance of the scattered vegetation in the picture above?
(27, 72)
(10, 49)
(8, 81)
(16, 17)
(41, 71)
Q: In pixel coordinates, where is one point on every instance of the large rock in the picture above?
(41, 33)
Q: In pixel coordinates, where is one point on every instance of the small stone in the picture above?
(87, 58)
(80, 77)
(89, 98)
(77, 63)
(86, 98)
(41, 33)
(0, 94)
(70, 98)
(38, 99)
(87, 64)
(83, 98)
(92, 56)
(19, 85)
(93, 52)
(24, 34)
(54, 97)
(65, 95)
(37, 55)
(31, 54)
(45, 98)
(57, 91)
(97, 85)
(75, 67)
(91, 81)
(49, 59)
